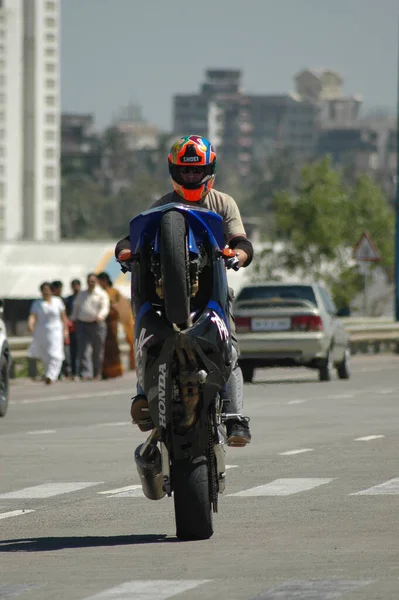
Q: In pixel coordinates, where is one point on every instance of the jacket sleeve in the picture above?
(123, 244)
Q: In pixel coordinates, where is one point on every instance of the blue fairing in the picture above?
(202, 223)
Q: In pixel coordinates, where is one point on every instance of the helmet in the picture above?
(190, 153)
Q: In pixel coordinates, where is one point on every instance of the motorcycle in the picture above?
(183, 355)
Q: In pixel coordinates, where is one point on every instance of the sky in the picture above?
(114, 52)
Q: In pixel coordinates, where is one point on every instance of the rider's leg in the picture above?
(238, 433)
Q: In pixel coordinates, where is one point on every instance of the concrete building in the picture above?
(356, 146)
(29, 120)
(283, 121)
(324, 88)
(244, 126)
(81, 150)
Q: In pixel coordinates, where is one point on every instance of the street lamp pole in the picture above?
(397, 203)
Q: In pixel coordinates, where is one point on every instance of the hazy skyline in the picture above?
(114, 52)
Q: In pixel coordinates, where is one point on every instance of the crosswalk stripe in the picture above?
(368, 438)
(299, 451)
(14, 513)
(388, 487)
(13, 590)
(46, 490)
(41, 431)
(130, 491)
(284, 487)
(319, 590)
(148, 590)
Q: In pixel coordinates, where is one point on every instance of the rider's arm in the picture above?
(244, 249)
(123, 244)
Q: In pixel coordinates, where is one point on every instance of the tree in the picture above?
(278, 173)
(368, 210)
(82, 209)
(319, 226)
(311, 222)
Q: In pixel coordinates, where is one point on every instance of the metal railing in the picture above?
(371, 335)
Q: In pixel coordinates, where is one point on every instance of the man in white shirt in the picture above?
(90, 310)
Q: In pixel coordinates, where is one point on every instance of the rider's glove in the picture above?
(125, 260)
(231, 259)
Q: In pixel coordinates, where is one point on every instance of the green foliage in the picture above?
(320, 223)
(368, 210)
(83, 207)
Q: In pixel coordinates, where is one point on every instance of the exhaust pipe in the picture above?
(149, 467)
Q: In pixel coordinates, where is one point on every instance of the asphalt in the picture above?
(310, 510)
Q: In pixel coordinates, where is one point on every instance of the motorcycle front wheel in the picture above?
(175, 267)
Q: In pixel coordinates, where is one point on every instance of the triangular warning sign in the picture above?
(365, 249)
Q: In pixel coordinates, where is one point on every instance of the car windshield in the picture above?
(278, 292)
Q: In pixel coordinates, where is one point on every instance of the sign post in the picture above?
(365, 252)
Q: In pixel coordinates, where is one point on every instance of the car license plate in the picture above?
(271, 324)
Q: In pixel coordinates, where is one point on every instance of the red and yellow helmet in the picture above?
(192, 153)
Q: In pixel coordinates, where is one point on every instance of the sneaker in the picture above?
(140, 413)
(238, 433)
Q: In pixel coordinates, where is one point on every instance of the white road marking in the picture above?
(72, 397)
(41, 431)
(12, 591)
(299, 451)
(148, 590)
(231, 466)
(130, 491)
(46, 490)
(318, 590)
(297, 401)
(284, 487)
(386, 391)
(388, 487)
(14, 513)
(368, 438)
(115, 424)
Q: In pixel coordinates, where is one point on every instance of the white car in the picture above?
(290, 325)
(5, 364)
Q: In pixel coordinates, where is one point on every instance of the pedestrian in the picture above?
(91, 308)
(120, 312)
(56, 290)
(48, 323)
(73, 343)
(112, 364)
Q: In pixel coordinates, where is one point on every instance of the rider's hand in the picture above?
(231, 259)
(125, 260)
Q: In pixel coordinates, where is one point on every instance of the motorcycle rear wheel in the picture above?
(193, 514)
(175, 267)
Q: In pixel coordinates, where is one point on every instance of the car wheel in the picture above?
(247, 372)
(326, 369)
(343, 368)
(4, 385)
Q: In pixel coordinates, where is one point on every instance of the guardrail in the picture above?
(367, 336)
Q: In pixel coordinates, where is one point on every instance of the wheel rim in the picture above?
(3, 384)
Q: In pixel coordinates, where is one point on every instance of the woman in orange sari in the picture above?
(120, 312)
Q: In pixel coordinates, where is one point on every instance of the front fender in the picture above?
(201, 221)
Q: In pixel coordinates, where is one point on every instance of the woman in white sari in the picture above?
(49, 325)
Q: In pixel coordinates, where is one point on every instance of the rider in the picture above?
(192, 166)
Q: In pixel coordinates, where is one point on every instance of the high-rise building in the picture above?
(29, 120)
(243, 126)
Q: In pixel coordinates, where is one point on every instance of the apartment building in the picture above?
(29, 120)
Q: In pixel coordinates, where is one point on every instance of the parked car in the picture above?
(5, 365)
(290, 325)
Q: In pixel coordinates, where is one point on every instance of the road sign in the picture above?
(365, 249)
